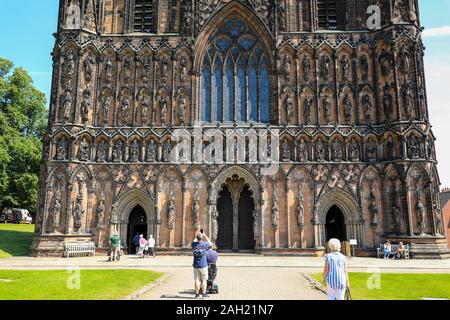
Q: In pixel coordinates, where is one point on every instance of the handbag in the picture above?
(348, 295)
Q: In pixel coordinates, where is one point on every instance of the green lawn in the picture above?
(15, 239)
(55, 285)
(395, 286)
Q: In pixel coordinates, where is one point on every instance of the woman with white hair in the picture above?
(335, 274)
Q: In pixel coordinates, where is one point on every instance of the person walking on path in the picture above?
(335, 274)
(115, 246)
(142, 244)
(200, 246)
(151, 246)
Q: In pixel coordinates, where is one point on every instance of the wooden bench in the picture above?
(79, 249)
(394, 248)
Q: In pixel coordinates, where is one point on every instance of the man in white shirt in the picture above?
(151, 246)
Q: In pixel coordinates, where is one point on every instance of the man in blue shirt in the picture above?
(200, 246)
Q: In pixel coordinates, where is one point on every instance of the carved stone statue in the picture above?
(86, 104)
(414, 147)
(183, 69)
(67, 105)
(364, 64)
(101, 211)
(302, 151)
(127, 69)
(134, 151)
(320, 151)
(287, 68)
(405, 60)
(106, 109)
(400, 12)
(306, 66)
(181, 107)
(108, 70)
(354, 151)
(395, 215)
(282, 16)
(196, 209)
(61, 153)
(84, 150)
(325, 68)
(345, 65)
(163, 108)
(164, 68)
(420, 210)
(167, 151)
(56, 211)
(437, 215)
(326, 109)
(78, 212)
(289, 107)
(101, 151)
(171, 210)
(89, 67)
(336, 150)
(286, 150)
(144, 108)
(151, 151)
(408, 99)
(307, 112)
(373, 209)
(348, 108)
(367, 106)
(275, 210)
(117, 154)
(371, 150)
(300, 209)
(385, 60)
(391, 152)
(387, 102)
(70, 65)
(125, 111)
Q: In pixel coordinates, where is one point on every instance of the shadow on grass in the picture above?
(15, 243)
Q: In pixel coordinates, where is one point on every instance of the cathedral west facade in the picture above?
(273, 125)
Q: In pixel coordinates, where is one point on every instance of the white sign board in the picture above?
(353, 242)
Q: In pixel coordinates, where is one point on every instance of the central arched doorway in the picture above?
(137, 224)
(246, 208)
(335, 224)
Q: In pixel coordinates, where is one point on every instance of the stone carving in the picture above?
(108, 70)
(127, 69)
(164, 68)
(364, 64)
(367, 106)
(144, 108)
(387, 103)
(391, 152)
(306, 66)
(89, 67)
(101, 211)
(67, 105)
(61, 153)
(385, 61)
(300, 209)
(413, 147)
(336, 150)
(102, 151)
(282, 16)
(89, 17)
(326, 109)
(73, 15)
(400, 12)
(84, 149)
(125, 111)
(420, 210)
(345, 65)
(56, 211)
(86, 104)
(437, 215)
(302, 151)
(289, 107)
(373, 209)
(181, 107)
(106, 109)
(151, 151)
(287, 68)
(408, 99)
(354, 151)
(286, 150)
(183, 69)
(320, 151)
(348, 107)
(146, 72)
(405, 60)
(167, 151)
(163, 108)
(275, 209)
(134, 151)
(171, 209)
(325, 68)
(371, 150)
(196, 208)
(117, 154)
(307, 112)
(187, 17)
(79, 211)
(70, 65)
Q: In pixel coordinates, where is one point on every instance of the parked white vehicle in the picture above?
(14, 215)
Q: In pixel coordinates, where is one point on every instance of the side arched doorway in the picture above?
(335, 224)
(137, 224)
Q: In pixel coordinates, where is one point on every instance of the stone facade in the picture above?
(342, 108)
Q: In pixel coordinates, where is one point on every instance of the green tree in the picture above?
(23, 120)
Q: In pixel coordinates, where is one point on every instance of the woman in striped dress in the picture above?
(335, 273)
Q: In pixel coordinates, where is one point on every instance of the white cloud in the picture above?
(436, 32)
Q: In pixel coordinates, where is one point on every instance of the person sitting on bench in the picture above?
(387, 250)
(400, 251)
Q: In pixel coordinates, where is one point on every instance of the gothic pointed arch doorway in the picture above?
(335, 224)
(137, 224)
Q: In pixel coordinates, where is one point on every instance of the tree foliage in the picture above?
(23, 120)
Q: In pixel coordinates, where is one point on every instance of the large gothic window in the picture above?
(235, 76)
(144, 16)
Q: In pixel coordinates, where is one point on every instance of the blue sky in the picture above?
(26, 38)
